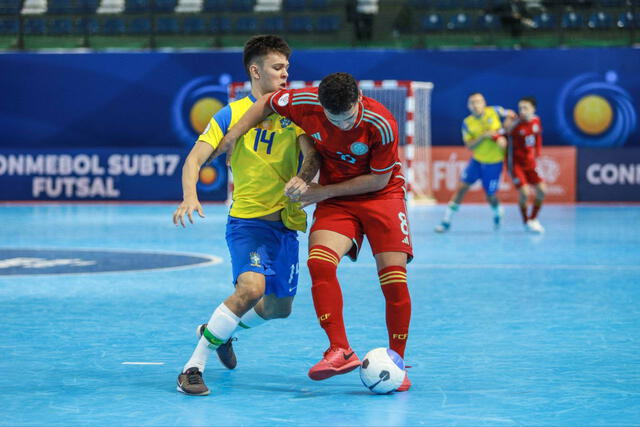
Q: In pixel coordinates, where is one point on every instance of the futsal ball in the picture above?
(382, 370)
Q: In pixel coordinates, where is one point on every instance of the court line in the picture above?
(506, 266)
(209, 260)
(143, 363)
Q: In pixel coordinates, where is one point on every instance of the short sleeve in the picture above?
(280, 102)
(466, 135)
(384, 156)
(217, 127)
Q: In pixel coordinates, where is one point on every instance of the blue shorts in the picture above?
(488, 172)
(265, 247)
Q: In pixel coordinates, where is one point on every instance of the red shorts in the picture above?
(384, 221)
(525, 174)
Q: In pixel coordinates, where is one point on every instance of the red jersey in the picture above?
(371, 146)
(526, 141)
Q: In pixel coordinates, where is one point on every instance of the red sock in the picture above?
(523, 211)
(535, 209)
(393, 281)
(327, 296)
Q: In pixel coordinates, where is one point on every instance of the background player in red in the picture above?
(526, 144)
(360, 192)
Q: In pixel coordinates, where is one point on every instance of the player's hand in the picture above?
(502, 142)
(187, 207)
(490, 134)
(314, 194)
(510, 114)
(295, 188)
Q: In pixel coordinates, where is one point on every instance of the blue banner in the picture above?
(104, 174)
(609, 175)
(586, 97)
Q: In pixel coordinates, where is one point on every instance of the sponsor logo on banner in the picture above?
(104, 175)
(611, 175)
(556, 166)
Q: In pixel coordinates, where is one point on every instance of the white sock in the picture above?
(251, 319)
(451, 209)
(220, 327)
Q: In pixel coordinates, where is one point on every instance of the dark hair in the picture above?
(338, 92)
(530, 99)
(259, 46)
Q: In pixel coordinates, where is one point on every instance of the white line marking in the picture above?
(143, 363)
(212, 260)
(505, 266)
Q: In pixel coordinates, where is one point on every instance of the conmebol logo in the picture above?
(613, 174)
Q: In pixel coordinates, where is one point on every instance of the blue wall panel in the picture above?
(133, 99)
(152, 103)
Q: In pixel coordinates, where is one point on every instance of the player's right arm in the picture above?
(471, 141)
(198, 155)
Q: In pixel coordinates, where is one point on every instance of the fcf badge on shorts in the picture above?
(359, 148)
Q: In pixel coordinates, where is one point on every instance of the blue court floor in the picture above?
(508, 328)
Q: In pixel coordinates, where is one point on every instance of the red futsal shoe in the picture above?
(336, 361)
(406, 384)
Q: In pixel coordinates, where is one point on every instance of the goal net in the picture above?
(410, 104)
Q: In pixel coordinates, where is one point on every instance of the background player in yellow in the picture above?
(263, 222)
(483, 134)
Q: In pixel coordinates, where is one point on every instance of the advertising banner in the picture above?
(588, 98)
(556, 165)
(609, 175)
(104, 174)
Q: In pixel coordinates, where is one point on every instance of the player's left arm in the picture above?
(539, 139)
(362, 184)
(308, 170)
(384, 155)
(504, 113)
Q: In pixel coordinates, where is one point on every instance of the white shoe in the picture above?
(534, 226)
(443, 227)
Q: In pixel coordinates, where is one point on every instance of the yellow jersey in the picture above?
(487, 151)
(263, 161)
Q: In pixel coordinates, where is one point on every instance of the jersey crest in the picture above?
(359, 148)
(284, 122)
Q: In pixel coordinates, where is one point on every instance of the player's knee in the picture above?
(281, 312)
(249, 291)
(271, 313)
(322, 262)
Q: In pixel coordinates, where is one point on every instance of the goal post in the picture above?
(410, 103)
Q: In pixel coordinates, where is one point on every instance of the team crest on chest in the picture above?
(284, 122)
(359, 148)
